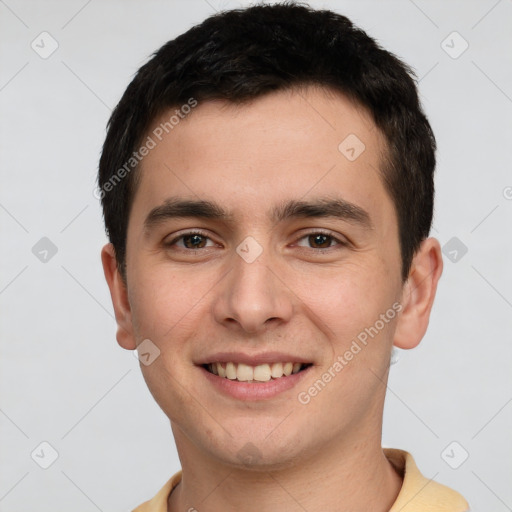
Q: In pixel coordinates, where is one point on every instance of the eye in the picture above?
(192, 240)
(319, 240)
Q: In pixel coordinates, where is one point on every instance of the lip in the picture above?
(252, 359)
(254, 391)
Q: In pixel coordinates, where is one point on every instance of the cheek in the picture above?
(168, 308)
(165, 301)
(348, 310)
(347, 299)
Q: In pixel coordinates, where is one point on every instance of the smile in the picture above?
(254, 374)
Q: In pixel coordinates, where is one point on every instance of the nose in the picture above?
(253, 296)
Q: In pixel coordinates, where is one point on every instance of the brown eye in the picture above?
(320, 241)
(194, 241)
(191, 240)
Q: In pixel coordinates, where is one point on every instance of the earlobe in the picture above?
(119, 297)
(418, 294)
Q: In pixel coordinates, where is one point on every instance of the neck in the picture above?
(340, 478)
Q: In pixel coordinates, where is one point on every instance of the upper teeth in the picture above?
(260, 373)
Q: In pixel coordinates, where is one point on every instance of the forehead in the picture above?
(287, 145)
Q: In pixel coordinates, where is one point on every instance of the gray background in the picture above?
(64, 379)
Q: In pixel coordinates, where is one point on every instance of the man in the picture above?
(267, 186)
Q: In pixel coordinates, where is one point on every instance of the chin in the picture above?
(257, 452)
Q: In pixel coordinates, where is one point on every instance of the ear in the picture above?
(418, 294)
(119, 296)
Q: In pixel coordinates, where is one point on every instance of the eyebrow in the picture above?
(338, 208)
(182, 208)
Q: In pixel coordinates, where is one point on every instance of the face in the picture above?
(262, 235)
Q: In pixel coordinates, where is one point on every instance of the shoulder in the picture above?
(159, 502)
(421, 494)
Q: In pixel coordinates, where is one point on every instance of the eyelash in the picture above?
(316, 232)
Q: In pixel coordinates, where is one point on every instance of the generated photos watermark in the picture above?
(358, 343)
(150, 143)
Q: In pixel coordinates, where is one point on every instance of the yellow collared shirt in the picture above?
(418, 494)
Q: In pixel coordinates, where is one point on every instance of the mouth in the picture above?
(253, 376)
(259, 374)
